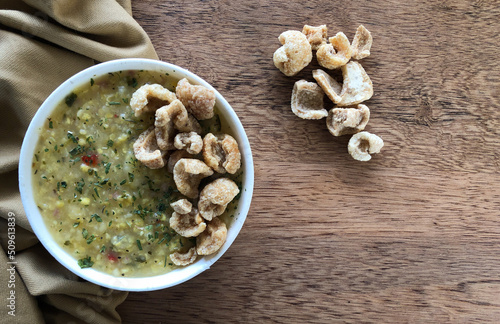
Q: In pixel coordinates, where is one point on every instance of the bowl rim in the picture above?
(169, 279)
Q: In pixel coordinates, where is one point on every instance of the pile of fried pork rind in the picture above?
(349, 116)
(175, 141)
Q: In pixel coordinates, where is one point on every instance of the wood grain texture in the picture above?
(413, 236)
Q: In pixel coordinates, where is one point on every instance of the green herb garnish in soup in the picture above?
(128, 174)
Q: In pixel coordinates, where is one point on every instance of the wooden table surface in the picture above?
(412, 235)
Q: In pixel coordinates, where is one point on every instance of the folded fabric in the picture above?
(42, 43)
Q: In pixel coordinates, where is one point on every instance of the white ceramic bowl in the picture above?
(174, 277)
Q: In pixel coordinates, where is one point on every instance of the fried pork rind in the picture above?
(212, 239)
(183, 259)
(147, 151)
(335, 54)
(187, 225)
(342, 121)
(316, 35)
(149, 98)
(175, 157)
(361, 43)
(215, 197)
(188, 125)
(191, 142)
(182, 206)
(164, 123)
(357, 86)
(221, 153)
(197, 99)
(294, 55)
(168, 120)
(362, 144)
(329, 85)
(188, 174)
(307, 100)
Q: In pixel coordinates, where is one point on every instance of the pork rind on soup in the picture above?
(335, 54)
(307, 100)
(188, 174)
(361, 43)
(146, 150)
(149, 98)
(362, 144)
(188, 225)
(215, 197)
(183, 259)
(221, 153)
(212, 239)
(342, 121)
(197, 99)
(171, 118)
(182, 206)
(316, 35)
(175, 157)
(294, 55)
(357, 86)
(191, 142)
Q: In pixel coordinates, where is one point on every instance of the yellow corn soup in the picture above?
(100, 203)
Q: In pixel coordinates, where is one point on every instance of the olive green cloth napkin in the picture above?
(42, 43)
